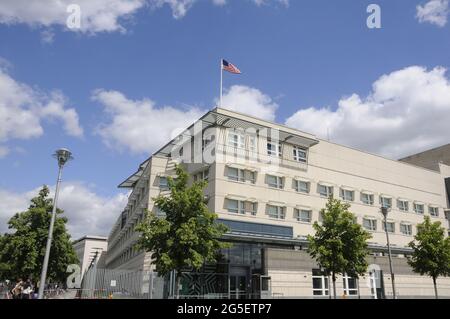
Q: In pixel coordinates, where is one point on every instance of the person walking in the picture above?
(27, 290)
(17, 290)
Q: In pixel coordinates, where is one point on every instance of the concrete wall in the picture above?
(430, 159)
(87, 248)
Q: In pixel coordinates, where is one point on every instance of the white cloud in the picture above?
(23, 108)
(141, 127)
(96, 15)
(407, 111)
(47, 36)
(265, 2)
(250, 101)
(434, 12)
(181, 7)
(88, 213)
(138, 125)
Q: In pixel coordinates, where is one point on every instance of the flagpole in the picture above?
(221, 81)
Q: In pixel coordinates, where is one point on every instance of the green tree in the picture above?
(431, 251)
(340, 244)
(22, 250)
(188, 235)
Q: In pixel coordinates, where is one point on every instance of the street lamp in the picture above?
(384, 211)
(62, 155)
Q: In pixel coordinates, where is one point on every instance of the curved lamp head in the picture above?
(63, 155)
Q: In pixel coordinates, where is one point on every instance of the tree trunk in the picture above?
(334, 285)
(435, 288)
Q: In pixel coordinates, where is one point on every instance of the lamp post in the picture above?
(384, 211)
(62, 155)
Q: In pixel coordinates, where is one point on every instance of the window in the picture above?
(367, 198)
(258, 229)
(235, 206)
(236, 174)
(202, 176)
(252, 144)
(275, 181)
(241, 207)
(251, 207)
(434, 211)
(252, 177)
(235, 140)
(403, 205)
(370, 224)
(320, 283)
(302, 186)
(347, 195)
(386, 202)
(163, 183)
(241, 175)
(350, 285)
(303, 215)
(325, 191)
(419, 208)
(273, 149)
(277, 212)
(406, 229)
(300, 154)
(389, 226)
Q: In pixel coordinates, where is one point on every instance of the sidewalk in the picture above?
(69, 294)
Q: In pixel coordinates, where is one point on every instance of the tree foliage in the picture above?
(340, 243)
(22, 250)
(431, 250)
(188, 235)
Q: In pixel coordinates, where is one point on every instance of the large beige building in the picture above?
(89, 249)
(268, 183)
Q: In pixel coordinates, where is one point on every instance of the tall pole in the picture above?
(390, 257)
(50, 237)
(221, 82)
(62, 155)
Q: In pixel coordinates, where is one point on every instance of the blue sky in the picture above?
(309, 55)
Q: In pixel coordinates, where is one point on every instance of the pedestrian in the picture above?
(27, 289)
(16, 292)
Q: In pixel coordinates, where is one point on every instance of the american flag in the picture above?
(230, 67)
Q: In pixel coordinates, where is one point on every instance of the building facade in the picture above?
(268, 183)
(89, 250)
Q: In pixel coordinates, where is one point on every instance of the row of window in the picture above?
(244, 207)
(237, 140)
(320, 283)
(371, 224)
(278, 182)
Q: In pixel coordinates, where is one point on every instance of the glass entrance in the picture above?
(238, 283)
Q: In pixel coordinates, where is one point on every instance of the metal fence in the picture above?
(120, 284)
